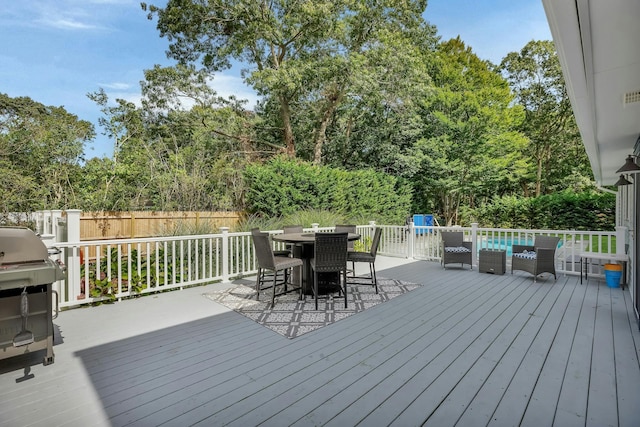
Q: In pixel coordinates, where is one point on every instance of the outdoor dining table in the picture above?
(303, 248)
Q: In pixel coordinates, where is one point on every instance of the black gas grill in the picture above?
(26, 295)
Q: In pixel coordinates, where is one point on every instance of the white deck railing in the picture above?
(108, 270)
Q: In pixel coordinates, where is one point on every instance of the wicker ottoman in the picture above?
(493, 261)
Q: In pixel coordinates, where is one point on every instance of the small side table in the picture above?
(586, 256)
(493, 261)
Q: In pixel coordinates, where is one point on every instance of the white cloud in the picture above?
(115, 85)
(67, 24)
(73, 15)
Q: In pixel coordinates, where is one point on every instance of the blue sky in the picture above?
(57, 51)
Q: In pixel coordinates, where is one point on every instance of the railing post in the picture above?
(56, 214)
(73, 254)
(46, 223)
(39, 222)
(621, 239)
(225, 254)
(411, 238)
(474, 243)
(315, 226)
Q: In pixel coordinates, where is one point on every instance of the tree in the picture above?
(41, 148)
(300, 51)
(378, 123)
(201, 146)
(183, 149)
(119, 184)
(555, 147)
(469, 150)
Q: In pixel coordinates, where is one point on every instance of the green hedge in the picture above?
(283, 187)
(560, 211)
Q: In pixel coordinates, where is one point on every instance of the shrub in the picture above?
(283, 187)
(565, 210)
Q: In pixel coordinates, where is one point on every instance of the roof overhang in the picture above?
(598, 44)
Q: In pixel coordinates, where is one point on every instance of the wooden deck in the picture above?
(466, 349)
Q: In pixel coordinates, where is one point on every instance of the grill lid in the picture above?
(21, 245)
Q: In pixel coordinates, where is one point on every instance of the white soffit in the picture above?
(598, 44)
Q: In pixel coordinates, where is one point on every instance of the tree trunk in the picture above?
(289, 141)
(321, 135)
(539, 176)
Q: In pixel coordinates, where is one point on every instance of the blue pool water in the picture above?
(504, 243)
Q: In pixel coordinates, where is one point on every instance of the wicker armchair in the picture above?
(274, 264)
(536, 259)
(330, 256)
(455, 249)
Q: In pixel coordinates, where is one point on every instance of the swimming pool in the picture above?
(504, 243)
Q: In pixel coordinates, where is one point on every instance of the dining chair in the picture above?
(276, 252)
(265, 276)
(330, 256)
(292, 229)
(368, 257)
(346, 229)
(288, 229)
(267, 261)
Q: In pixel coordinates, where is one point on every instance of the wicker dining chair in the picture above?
(273, 264)
(368, 257)
(330, 256)
(346, 229)
(288, 229)
(537, 258)
(265, 275)
(276, 252)
(292, 229)
(455, 249)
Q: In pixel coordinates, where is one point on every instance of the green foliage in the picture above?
(282, 187)
(303, 217)
(189, 228)
(301, 54)
(468, 149)
(406, 124)
(566, 210)
(554, 148)
(166, 156)
(153, 272)
(40, 155)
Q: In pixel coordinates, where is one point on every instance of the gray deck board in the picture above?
(626, 358)
(394, 358)
(602, 403)
(572, 401)
(542, 404)
(465, 349)
(517, 395)
(505, 352)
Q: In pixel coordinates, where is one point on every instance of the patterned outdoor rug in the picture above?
(291, 317)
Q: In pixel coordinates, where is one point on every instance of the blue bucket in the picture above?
(613, 278)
